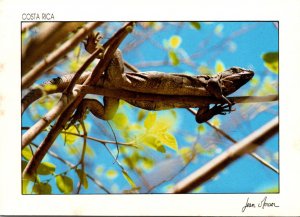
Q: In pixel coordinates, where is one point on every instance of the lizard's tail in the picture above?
(34, 95)
(56, 85)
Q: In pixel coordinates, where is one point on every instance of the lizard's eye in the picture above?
(235, 69)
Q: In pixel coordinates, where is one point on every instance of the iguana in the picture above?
(171, 84)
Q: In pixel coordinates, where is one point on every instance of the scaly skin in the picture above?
(173, 84)
(58, 85)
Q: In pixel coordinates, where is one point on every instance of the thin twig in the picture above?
(64, 101)
(81, 161)
(236, 151)
(112, 45)
(254, 155)
(128, 144)
(69, 164)
(180, 171)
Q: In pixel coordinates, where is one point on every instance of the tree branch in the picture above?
(69, 164)
(58, 109)
(45, 41)
(57, 54)
(194, 101)
(128, 144)
(236, 151)
(111, 46)
(253, 154)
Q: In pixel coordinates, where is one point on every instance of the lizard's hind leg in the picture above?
(205, 113)
(105, 112)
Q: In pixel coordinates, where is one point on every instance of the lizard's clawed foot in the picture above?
(78, 115)
(204, 114)
(91, 42)
(222, 109)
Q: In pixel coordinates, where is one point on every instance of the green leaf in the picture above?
(169, 140)
(69, 138)
(89, 151)
(128, 162)
(219, 67)
(83, 178)
(135, 127)
(24, 164)
(128, 179)
(74, 65)
(163, 124)
(173, 113)
(121, 121)
(99, 170)
(204, 70)
(199, 149)
(173, 58)
(64, 184)
(271, 60)
(270, 57)
(175, 41)
(218, 29)
(216, 122)
(201, 128)
(111, 174)
(42, 188)
(48, 103)
(186, 154)
(150, 120)
(25, 183)
(46, 168)
(254, 81)
(151, 141)
(72, 150)
(141, 114)
(161, 149)
(198, 189)
(196, 25)
(26, 153)
(76, 51)
(147, 163)
(49, 87)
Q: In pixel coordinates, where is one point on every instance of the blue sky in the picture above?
(229, 43)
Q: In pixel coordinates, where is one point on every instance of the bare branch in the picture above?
(253, 154)
(49, 36)
(111, 46)
(194, 101)
(57, 54)
(128, 144)
(58, 109)
(69, 164)
(213, 167)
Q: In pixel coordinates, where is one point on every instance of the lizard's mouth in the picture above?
(247, 74)
(243, 75)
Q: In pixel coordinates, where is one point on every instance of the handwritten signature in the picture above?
(261, 205)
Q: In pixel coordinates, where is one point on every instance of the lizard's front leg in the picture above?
(105, 112)
(215, 89)
(205, 113)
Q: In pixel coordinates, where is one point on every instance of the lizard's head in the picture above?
(233, 78)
